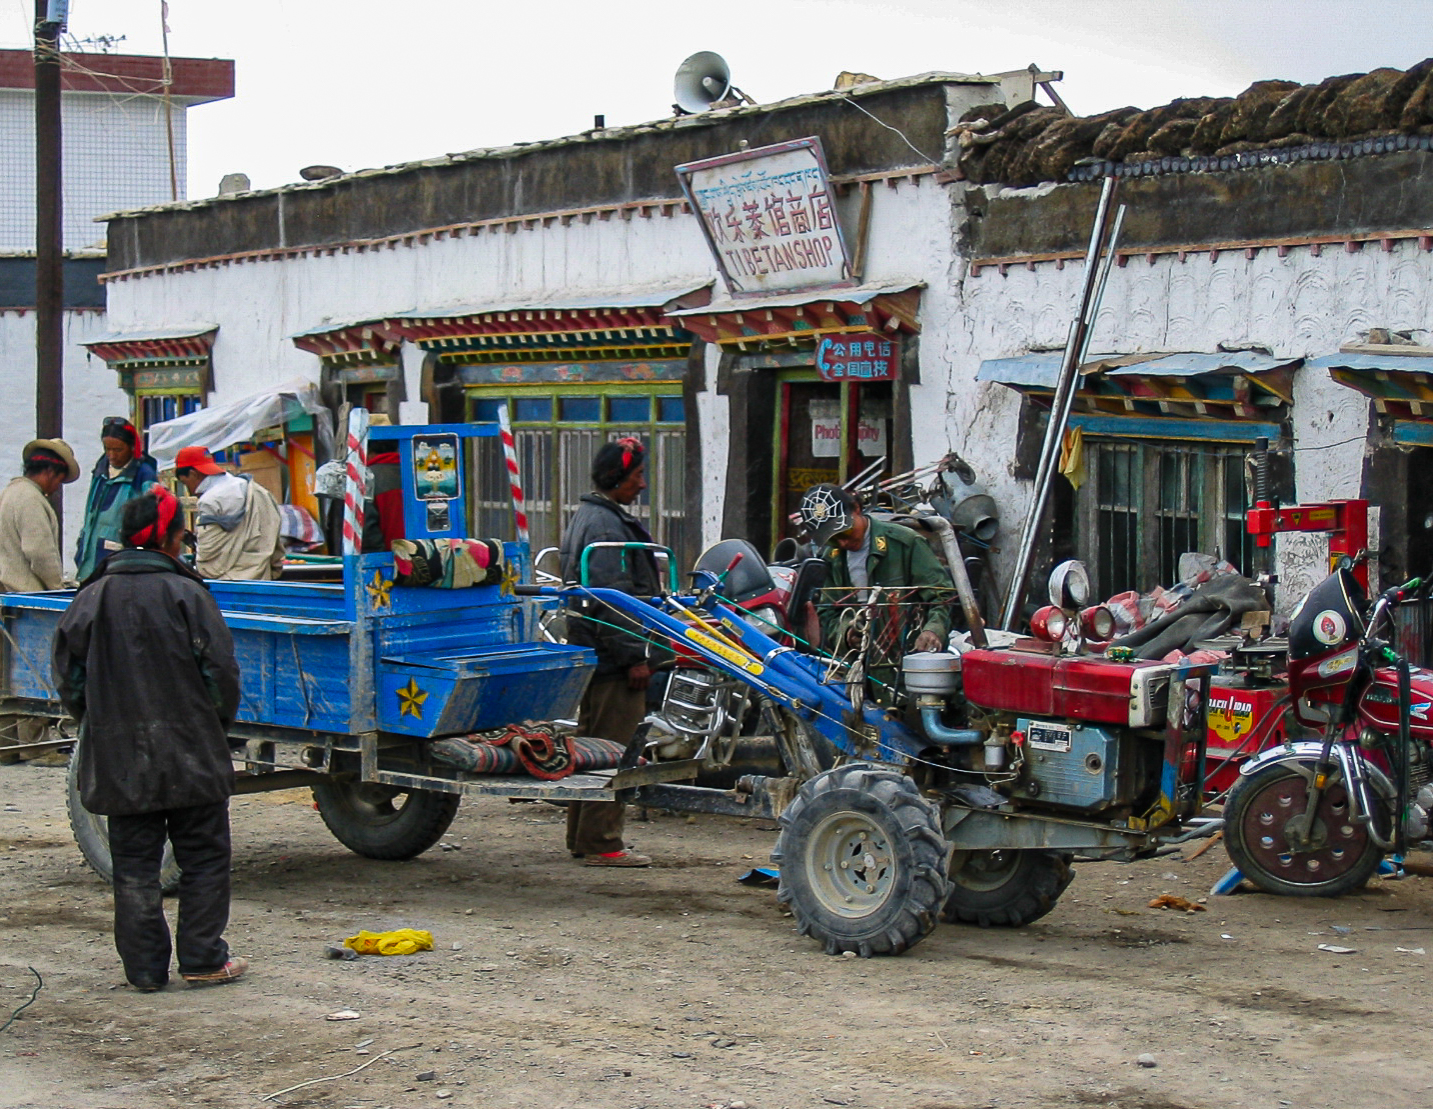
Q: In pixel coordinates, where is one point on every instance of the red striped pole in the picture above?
(514, 478)
(355, 487)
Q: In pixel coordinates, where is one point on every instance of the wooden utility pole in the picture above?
(49, 225)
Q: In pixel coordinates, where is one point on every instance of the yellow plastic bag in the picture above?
(404, 941)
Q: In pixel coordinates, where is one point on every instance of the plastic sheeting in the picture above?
(226, 424)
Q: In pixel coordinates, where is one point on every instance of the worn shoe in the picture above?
(621, 858)
(231, 970)
(148, 985)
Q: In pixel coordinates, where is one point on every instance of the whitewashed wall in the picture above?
(92, 392)
(1299, 305)
(259, 305)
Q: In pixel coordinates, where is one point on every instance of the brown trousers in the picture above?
(609, 711)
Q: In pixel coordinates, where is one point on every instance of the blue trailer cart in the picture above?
(345, 684)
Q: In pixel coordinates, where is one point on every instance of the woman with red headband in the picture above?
(144, 661)
(122, 473)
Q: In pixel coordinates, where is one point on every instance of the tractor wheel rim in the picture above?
(852, 864)
(377, 802)
(983, 871)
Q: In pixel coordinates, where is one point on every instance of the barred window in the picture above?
(1146, 502)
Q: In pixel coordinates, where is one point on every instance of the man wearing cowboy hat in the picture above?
(29, 529)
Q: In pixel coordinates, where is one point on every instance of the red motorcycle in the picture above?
(1314, 818)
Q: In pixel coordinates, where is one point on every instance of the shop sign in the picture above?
(871, 436)
(856, 358)
(769, 217)
(825, 428)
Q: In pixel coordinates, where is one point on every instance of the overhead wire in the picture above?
(904, 138)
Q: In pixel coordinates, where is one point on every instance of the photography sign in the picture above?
(770, 218)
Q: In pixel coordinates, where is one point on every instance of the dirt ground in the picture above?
(554, 985)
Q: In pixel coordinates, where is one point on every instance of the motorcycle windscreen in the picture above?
(1329, 618)
(749, 578)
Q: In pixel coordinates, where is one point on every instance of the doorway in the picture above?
(826, 431)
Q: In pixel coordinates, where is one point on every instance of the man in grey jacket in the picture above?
(29, 529)
(616, 698)
(144, 661)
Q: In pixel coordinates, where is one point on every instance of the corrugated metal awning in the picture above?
(1233, 385)
(792, 318)
(173, 344)
(622, 322)
(1400, 385)
(564, 301)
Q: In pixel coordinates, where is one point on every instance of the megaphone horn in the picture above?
(701, 81)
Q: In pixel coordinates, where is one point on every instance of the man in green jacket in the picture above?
(865, 553)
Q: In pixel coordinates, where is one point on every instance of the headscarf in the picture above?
(616, 461)
(117, 427)
(153, 535)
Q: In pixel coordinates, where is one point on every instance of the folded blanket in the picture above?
(447, 563)
(538, 749)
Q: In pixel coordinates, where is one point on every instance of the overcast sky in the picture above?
(358, 83)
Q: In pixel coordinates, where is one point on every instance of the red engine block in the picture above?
(1073, 687)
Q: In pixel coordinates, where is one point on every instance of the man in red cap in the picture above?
(238, 523)
(144, 661)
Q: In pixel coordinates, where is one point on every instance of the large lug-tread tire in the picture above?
(1005, 888)
(1259, 807)
(862, 861)
(384, 822)
(91, 834)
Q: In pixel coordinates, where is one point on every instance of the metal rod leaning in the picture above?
(1066, 385)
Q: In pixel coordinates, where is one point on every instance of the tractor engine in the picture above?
(1048, 729)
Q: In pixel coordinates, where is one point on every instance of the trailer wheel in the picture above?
(1342, 855)
(862, 861)
(384, 822)
(91, 833)
(1008, 888)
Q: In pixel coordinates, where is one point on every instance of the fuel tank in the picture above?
(1378, 707)
(1070, 687)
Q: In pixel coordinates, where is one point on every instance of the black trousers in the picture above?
(609, 711)
(200, 835)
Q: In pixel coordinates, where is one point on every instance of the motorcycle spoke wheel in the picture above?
(1260, 833)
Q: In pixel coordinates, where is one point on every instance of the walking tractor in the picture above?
(959, 788)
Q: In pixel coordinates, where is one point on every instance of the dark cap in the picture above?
(826, 511)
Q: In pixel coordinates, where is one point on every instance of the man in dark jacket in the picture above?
(616, 698)
(144, 661)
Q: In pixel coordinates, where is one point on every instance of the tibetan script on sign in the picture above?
(770, 218)
(856, 358)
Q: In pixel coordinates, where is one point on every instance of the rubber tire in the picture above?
(91, 834)
(365, 829)
(1242, 796)
(891, 806)
(1031, 886)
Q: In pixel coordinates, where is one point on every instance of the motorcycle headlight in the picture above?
(1098, 623)
(1070, 585)
(1049, 624)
